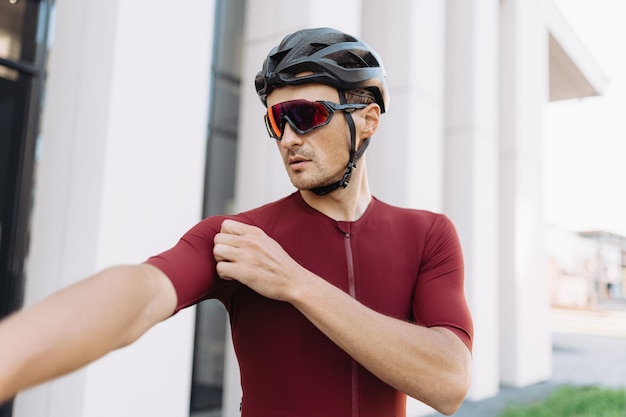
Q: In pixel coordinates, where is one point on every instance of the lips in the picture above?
(296, 159)
(296, 162)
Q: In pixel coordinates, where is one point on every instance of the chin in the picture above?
(309, 184)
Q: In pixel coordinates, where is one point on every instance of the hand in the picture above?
(246, 254)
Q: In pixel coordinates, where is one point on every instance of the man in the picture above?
(339, 303)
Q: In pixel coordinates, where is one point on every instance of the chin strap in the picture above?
(354, 154)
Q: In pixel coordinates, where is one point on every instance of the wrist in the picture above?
(301, 288)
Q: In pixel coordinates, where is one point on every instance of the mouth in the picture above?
(297, 162)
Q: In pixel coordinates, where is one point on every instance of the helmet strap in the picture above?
(354, 154)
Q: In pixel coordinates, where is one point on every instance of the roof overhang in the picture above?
(573, 71)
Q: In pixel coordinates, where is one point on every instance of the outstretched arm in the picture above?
(81, 323)
(430, 364)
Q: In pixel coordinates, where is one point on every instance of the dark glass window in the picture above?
(23, 34)
(14, 94)
(211, 321)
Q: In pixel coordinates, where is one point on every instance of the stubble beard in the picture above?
(308, 181)
(312, 183)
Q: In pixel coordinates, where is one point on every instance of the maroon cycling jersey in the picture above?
(400, 262)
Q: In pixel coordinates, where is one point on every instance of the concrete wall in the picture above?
(120, 177)
(525, 344)
(471, 170)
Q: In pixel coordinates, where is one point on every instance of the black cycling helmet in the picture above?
(326, 56)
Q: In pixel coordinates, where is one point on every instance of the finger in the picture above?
(222, 269)
(226, 239)
(231, 227)
(236, 228)
(225, 249)
(218, 253)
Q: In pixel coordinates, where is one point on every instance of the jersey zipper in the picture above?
(351, 284)
(352, 292)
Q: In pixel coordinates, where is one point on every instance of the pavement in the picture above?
(588, 348)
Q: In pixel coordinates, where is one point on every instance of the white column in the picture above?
(525, 355)
(405, 159)
(471, 170)
(120, 177)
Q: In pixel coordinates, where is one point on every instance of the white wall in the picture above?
(405, 159)
(525, 344)
(471, 171)
(120, 178)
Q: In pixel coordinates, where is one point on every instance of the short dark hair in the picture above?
(360, 96)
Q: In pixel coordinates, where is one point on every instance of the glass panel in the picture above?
(14, 95)
(208, 364)
(229, 45)
(18, 29)
(22, 28)
(211, 317)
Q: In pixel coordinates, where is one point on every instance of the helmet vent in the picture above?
(308, 50)
(353, 59)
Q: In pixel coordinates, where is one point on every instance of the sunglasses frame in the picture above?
(284, 118)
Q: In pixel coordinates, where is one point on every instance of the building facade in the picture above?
(151, 121)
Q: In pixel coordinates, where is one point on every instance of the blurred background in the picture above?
(124, 123)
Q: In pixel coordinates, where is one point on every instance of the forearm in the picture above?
(79, 324)
(432, 365)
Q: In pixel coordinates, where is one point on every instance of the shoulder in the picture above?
(268, 209)
(275, 213)
(429, 227)
(258, 216)
(422, 218)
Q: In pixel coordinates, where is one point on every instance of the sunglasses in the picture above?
(302, 115)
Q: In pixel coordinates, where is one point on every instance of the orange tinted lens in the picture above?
(272, 126)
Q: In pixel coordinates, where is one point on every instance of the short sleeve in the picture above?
(190, 265)
(439, 298)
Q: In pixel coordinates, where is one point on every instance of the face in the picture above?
(319, 157)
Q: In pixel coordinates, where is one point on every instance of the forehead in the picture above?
(311, 92)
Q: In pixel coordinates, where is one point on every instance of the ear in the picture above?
(370, 117)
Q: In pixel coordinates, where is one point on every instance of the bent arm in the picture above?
(81, 323)
(430, 364)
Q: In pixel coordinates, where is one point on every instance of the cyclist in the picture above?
(340, 304)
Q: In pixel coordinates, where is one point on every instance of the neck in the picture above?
(345, 204)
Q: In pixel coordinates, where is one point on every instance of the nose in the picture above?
(290, 138)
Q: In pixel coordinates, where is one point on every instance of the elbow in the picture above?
(447, 404)
(455, 384)
(450, 402)
(456, 399)
(449, 408)
(451, 393)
